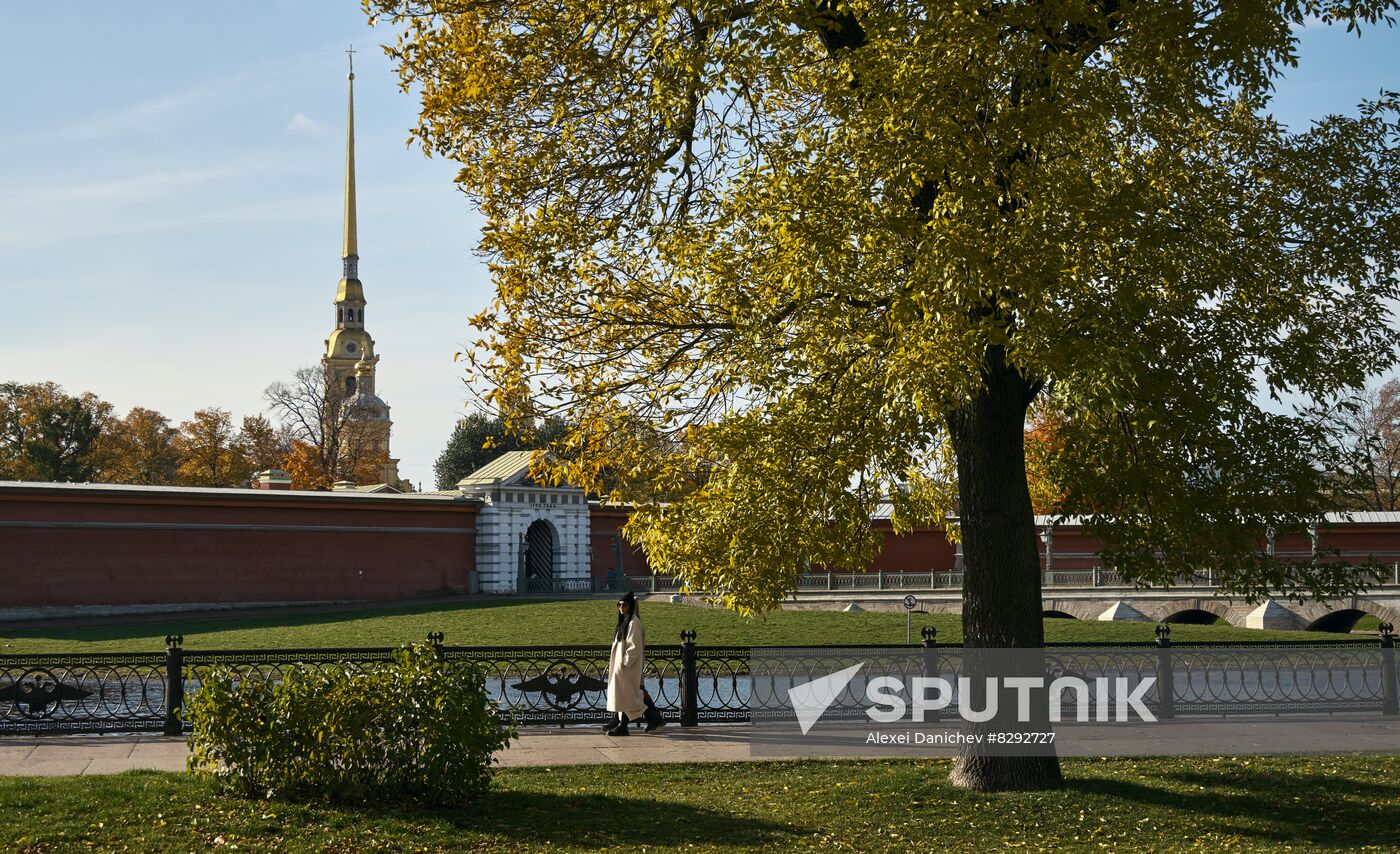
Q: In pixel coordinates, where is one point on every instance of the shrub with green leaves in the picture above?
(419, 728)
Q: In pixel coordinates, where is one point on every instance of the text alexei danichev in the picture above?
(959, 738)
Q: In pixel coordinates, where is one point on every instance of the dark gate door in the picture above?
(539, 554)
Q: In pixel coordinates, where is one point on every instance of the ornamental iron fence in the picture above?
(612, 583)
(693, 684)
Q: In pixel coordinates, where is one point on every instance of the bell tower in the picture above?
(349, 358)
(349, 341)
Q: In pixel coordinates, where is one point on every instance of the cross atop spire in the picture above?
(351, 53)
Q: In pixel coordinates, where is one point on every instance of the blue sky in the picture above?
(170, 203)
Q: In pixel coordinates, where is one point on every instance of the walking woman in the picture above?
(626, 666)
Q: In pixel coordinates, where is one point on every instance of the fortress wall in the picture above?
(77, 545)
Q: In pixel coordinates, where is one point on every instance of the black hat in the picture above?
(629, 599)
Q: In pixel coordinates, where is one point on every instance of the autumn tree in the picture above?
(47, 434)
(211, 451)
(1370, 437)
(264, 446)
(317, 412)
(827, 245)
(1043, 446)
(140, 448)
(304, 464)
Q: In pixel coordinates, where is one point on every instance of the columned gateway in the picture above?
(527, 532)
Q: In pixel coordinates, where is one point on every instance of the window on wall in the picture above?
(349, 385)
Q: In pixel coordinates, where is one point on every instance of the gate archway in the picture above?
(539, 551)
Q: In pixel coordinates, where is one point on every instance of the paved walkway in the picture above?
(112, 754)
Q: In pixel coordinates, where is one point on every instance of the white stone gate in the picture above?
(507, 555)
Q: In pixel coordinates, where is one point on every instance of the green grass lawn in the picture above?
(494, 622)
(1367, 623)
(1198, 804)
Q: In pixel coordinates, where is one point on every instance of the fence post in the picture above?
(1390, 691)
(1166, 682)
(435, 641)
(690, 682)
(828, 579)
(879, 579)
(174, 683)
(930, 645)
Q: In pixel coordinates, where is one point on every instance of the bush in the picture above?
(419, 728)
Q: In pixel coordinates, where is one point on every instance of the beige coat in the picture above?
(625, 668)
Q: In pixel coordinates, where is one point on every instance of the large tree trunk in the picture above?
(1001, 565)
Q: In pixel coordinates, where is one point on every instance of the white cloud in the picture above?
(46, 214)
(302, 123)
(162, 114)
(142, 117)
(134, 188)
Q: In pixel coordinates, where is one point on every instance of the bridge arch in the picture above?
(1340, 622)
(1341, 616)
(1190, 611)
(1193, 617)
(1076, 609)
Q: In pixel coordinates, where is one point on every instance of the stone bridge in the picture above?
(1176, 605)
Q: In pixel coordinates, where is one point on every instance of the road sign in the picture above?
(910, 603)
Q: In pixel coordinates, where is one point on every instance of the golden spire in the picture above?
(351, 252)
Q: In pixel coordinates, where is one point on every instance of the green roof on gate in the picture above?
(510, 467)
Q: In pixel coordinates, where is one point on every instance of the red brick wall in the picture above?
(920, 550)
(605, 523)
(1074, 549)
(165, 547)
(1383, 540)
